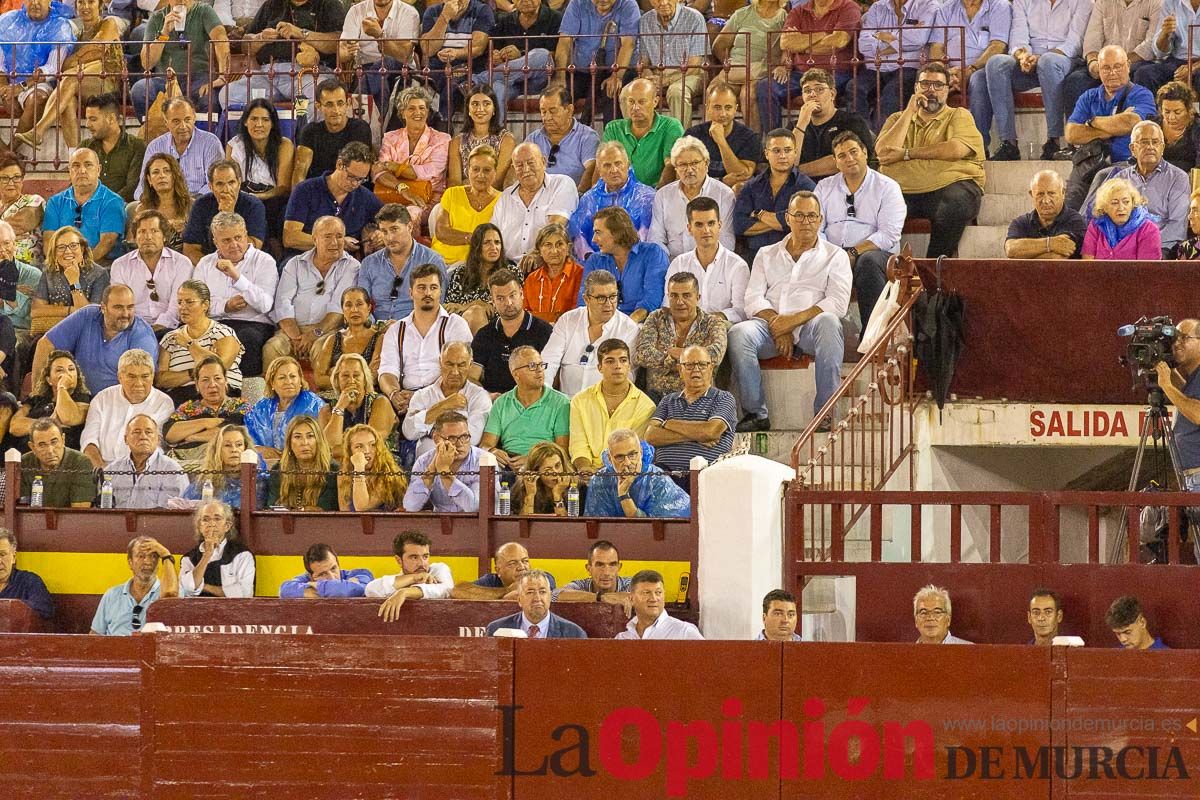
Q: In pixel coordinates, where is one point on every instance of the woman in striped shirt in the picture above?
(198, 337)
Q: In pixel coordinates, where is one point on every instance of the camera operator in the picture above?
(1182, 387)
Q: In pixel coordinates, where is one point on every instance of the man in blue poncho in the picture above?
(629, 485)
(29, 70)
(617, 186)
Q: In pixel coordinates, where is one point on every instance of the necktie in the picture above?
(533, 631)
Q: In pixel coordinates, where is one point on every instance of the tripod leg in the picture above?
(1117, 551)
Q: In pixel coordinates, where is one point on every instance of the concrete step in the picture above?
(1012, 177)
(1001, 209)
(983, 241)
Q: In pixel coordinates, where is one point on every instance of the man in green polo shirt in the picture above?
(646, 134)
(530, 413)
(168, 36)
(66, 473)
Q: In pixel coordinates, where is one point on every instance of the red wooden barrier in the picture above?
(16, 617)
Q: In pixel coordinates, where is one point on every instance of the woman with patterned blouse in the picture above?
(198, 337)
(357, 403)
(21, 210)
(71, 279)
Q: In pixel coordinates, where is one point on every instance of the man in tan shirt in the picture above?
(936, 155)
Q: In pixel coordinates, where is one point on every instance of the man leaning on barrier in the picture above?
(512, 562)
(446, 478)
(418, 577)
(931, 611)
(629, 485)
(535, 618)
(324, 577)
(19, 584)
(604, 584)
(66, 473)
(146, 477)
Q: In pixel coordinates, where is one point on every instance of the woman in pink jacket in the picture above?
(1122, 230)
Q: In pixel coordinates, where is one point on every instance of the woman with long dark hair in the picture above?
(266, 156)
(481, 125)
(467, 290)
(165, 190)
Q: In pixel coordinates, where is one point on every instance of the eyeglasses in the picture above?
(397, 282)
(137, 621)
(605, 299)
(809, 217)
(354, 180)
(850, 210)
(682, 165)
(10, 180)
(931, 613)
(552, 157)
(936, 85)
(695, 366)
(67, 246)
(814, 89)
(189, 302)
(153, 290)
(462, 438)
(536, 366)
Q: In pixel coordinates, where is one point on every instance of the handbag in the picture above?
(886, 307)
(1087, 160)
(156, 120)
(43, 319)
(421, 191)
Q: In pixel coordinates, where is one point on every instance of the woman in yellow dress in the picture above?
(464, 208)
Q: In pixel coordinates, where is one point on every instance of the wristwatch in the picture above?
(853, 253)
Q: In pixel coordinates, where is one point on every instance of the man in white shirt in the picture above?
(153, 271)
(799, 290)
(650, 618)
(146, 477)
(534, 200)
(453, 392)
(242, 280)
(720, 272)
(668, 221)
(308, 297)
(571, 351)
(863, 213)
(411, 355)
(418, 577)
(389, 28)
(103, 437)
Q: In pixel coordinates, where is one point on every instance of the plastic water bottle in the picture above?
(206, 491)
(35, 496)
(106, 494)
(573, 501)
(505, 500)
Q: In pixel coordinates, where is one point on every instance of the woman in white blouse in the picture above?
(219, 565)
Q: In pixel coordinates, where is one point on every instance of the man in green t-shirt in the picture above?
(646, 134)
(169, 33)
(66, 474)
(531, 413)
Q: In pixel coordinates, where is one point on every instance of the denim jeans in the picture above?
(146, 90)
(1005, 78)
(821, 337)
(511, 77)
(891, 85)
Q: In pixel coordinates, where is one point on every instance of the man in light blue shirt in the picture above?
(568, 145)
(88, 205)
(1044, 45)
(194, 149)
(585, 25)
(122, 609)
(1169, 44)
(147, 477)
(891, 44)
(779, 617)
(446, 478)
(986, 34)
(385, 274)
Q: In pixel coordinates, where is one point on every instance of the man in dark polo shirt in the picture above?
(820, 120)
(120, 153)
(320, 142)
(18, 584)
(1051, 230)
(225, 194)
(66, 473)
(512, 328)
(733, 149)
(697, 421)
(338, 194)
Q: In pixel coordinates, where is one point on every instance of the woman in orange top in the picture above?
(552, 283)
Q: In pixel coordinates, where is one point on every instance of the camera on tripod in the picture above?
(1151, 340)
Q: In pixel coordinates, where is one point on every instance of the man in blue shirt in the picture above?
(985, 36)
(98, 336)
(779, 617)
(17, 584)
(95, 210)
(512, 563)
(385, 274)
(1129, 625)
(758, 213)
(122, 609)
(335, 194)
(892, 44)
(323, 577)
(454, 41)
(1169, 44)
(629, 485)
(568, 145)
(586, 25)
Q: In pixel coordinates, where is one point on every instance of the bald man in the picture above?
(536, 199)
(1050, 230)
(646, 134)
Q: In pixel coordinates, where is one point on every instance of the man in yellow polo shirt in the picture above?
(646, 134)
(609, 405)
(936, 155)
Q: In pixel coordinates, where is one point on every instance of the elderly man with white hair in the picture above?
(103, 437)
(536, 199)
(931, 611)
(146, 477)
(451, 392)
(18, 309)
(630, 485)
(1050, 230)
(669, 222)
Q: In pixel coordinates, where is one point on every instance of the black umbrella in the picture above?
(938, 337)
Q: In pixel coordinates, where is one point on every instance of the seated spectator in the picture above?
(98, 336)
(452, 392)
(799, 290)
(511, 561)
(586, 30)
(1177, 114)
(535, 200)
(531, 412)
(512, 327)
(198, 337)
(465, 208)
(552, 284)
(66, 473)
(820, 121)
(481, 126)
(338, 194)
(305, 479)
(1106, 114)
(1128, 624)
(60, 392)
(320, 142)
(1122, 228)
(446, 478)
(378, 41)
(698, 420)
(986, 30)
(570, 352)
(20, 584)
(722, 288)
(164, 189)
(412, 160)
(864, 215)
(1172, 46)
(40, 38)
(459, 32)
(931, 610)
(467, 292)
(892, 42)
(669, 225)
(122, 610)
(387, 273)
(567, 145)
(224, 194)
(758, 214)
(535, 619)
(1050, 230)
(194, 149)
(267, 159)
(355, 403)
(650, 618)
(412, 347)
(121, 154)
(177, 45)
(672, 47)
(195, 422)
(241, 280)
(419, 578)
(369, 479)
(542, 488)
(1186, 250)
(323, 577)
(640, 267)
(936, 155)
(70, 281)
(779, 617)
(612, 404)
(285, 398)
(1044, 615)
(22, 210)
(95, 210)
(222, 465)
(308, 294)
(103, 437)
(358, 335)
(152, 264)
(145, 477)
(604, 584)
(219, 565)
(748, 44)
(629, 485)
(616, 188)
(1110, 22)
(18, 310)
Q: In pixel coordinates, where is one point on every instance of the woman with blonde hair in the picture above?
(466, 207)
(164, 189)
(370, 479)
(222, 464)
(285, 397)
(1122, 229)
(552, 274)
(70, 280)
(542, 486)
(305, 479)
(357, 403)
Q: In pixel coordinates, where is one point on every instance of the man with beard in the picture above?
(122, 609)
(418, 577)
(513, 327)
(387, 274)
